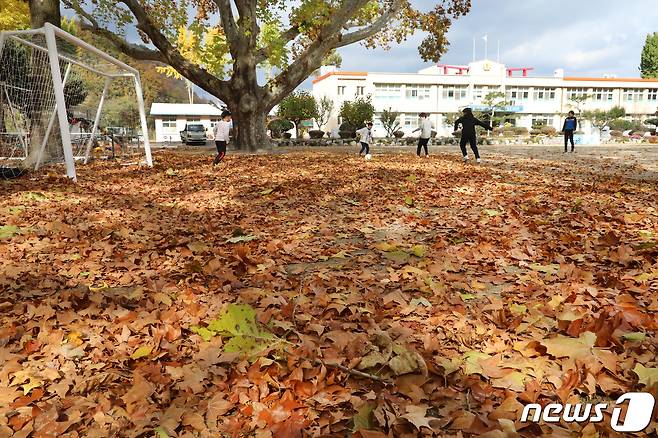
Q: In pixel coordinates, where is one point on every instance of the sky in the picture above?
(584, 37)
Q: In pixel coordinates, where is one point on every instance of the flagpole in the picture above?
(498, 59)
(473, 48)
(486, 46)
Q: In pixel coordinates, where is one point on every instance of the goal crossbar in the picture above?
(51, 34)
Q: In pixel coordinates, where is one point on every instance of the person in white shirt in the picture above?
(425, 129)
(365, 137)
(222, 136)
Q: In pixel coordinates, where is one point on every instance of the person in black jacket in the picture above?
(469, 122)
(570, 126)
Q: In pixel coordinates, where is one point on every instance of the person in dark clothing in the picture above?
(468, 122)
(570, 126)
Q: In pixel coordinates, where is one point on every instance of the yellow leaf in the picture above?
(386, 247)
(562, 346)
(33, 383)
(142, 352)
(74, 339)
(98, 289)
(197, 246)
(647, 376)
(419, 251)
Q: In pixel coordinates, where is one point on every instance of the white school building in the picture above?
(171, 118)
(444, 89)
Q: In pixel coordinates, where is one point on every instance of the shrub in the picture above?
(536, 132)
(287, 135)
(548, 130)
(653, 139)
(519, 130)
(279, 126)
(616, 134)
(398, 134)
(357, 112)
(316, 134)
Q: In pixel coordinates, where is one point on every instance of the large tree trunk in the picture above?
(44, 11)
(250, 130)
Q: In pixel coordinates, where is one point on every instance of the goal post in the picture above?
(46, 74)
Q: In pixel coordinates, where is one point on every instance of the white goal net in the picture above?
(63, 100)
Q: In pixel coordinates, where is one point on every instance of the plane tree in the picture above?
(293, 37)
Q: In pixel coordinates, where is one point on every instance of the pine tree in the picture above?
(649, 62)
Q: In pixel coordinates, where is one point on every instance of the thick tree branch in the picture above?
(372, 29)
(310, 60)
(228, 25)
(135, 51)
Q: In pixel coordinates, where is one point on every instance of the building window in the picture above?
(360, 90)
(517, 93)
(387, 91)
(575, 93)
(480, 92)
(633, 95)
(341, 90)
(418, 92)
(602, 94)
(542, 120)
(213, 122)
(193, 119)
(653, 94)
(455, 93)
(411, 119)
(169, 123)
(544, 94)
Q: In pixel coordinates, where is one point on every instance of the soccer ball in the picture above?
(368, 157)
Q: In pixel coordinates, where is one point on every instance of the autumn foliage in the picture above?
(319, 295)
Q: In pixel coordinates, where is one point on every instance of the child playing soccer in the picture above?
(469, 122)
(425, 129)
(222, 136)
(570, 126)
(365, 137)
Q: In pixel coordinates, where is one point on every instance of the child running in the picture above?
(365, 137)
(222, 136)
(469, 122)
(425, 129)
(570, 126)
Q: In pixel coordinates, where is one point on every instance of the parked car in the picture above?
(194, 133)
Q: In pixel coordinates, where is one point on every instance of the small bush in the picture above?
(346, 135)
(287, 135)
(279, 126)
(548, 130)
(316, 134)
(653, 139)
(519, 130)
(398, 134)
(616, 134)
(536, 132)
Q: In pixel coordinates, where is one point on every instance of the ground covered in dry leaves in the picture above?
(319, 295)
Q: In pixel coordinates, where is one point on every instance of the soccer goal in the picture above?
(62, 100)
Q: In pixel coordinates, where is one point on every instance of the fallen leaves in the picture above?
(335, 298)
